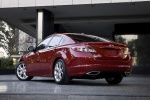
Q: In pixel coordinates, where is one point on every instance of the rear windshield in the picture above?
(87, 38)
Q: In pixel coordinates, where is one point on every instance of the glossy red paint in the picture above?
(108, 56)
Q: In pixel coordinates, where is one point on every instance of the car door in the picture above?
(32, 62)
(34, 58)
(47, 56)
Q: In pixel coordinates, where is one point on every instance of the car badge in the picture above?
(111, 45)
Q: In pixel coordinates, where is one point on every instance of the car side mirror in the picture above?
(31, 48)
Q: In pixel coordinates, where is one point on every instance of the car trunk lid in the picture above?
(107, 50)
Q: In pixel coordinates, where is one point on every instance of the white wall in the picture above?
(2, 50)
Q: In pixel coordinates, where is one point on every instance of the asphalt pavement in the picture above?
(40, 88)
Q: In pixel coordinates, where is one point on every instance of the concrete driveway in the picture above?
(39, 88)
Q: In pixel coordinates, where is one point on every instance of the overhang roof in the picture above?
(95, 18)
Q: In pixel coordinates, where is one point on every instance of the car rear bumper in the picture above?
(85, 66)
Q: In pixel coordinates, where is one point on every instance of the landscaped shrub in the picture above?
(6, 63)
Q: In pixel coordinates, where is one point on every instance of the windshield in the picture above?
(87, 38)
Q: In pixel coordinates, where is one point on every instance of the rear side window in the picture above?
(87, 38)
(44, 43)
(62, 41)
(55, 41)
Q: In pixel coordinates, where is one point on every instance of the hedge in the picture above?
(6, 63)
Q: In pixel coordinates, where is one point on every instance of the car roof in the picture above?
(66, 34)
(70, 34)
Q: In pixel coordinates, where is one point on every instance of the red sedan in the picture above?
(70, 55)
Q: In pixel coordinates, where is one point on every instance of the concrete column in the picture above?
(45, 24)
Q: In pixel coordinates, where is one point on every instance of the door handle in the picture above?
(37, 53)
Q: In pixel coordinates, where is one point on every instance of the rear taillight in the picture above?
(126, 51)
(85, 48)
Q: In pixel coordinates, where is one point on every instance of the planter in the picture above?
(7, 71)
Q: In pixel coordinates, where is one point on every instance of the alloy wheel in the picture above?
(21, 71)
(58, 71)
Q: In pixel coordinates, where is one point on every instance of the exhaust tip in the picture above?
(93, 73)
(127, 73)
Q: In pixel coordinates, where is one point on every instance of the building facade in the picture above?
(124, 21)
(25, 41)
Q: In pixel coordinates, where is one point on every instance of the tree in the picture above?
(8, 38)
(143, 50)
(120, 39)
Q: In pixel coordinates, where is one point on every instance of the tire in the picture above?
(114, 80)
(60, 72)
(21, 72)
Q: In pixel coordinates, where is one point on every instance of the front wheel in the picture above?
(114, 80)
(21, 72)
(60, 72)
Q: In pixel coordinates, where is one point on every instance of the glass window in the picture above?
(44, 43)
(55, 41)
(62, 41)
(139, 47)
(87, 38)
